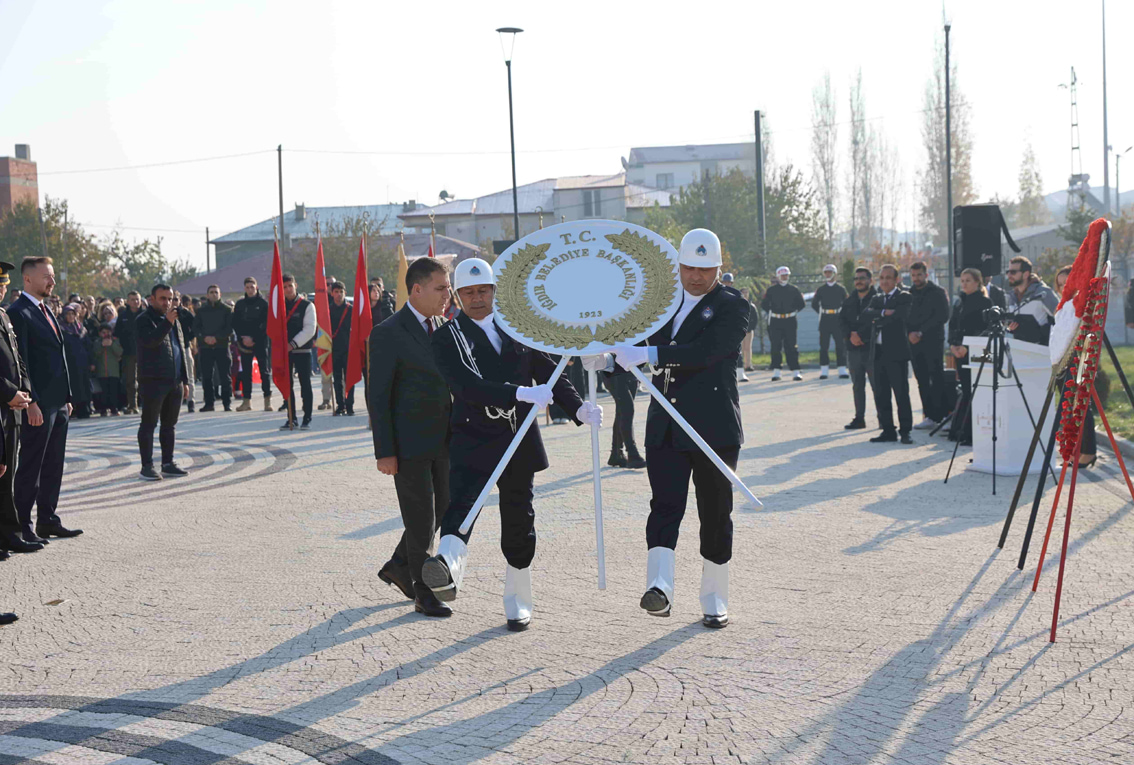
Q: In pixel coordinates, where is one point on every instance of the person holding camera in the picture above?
(1031, 303)
(164, 371)
(968, 320)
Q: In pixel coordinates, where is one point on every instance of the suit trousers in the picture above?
(892, 376)
(129, 377)
(301, 368)
(40, 473)
(669, 470)
(259, 351)
(423, 497)
(159, 401)
(783, 332)
(216, 359)
(623, 388)
(517, 516)
(858, 364)
(828, 329)
(9, 518)
(343, 401)
(928, 360)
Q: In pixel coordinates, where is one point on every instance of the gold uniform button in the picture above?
(673, 342)
(673, 401)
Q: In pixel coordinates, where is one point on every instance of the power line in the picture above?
(156, 164)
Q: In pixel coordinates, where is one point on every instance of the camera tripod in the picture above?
(1001, 352)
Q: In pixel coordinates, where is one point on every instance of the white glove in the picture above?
(629, 356)
(589, 414)
(597, 363)
(539, 395)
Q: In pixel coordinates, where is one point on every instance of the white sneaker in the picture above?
(775, 375)
(824, 372)
(843, 374)
(926, 424)
(798, 375)
(740, 375)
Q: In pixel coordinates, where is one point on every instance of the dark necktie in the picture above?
(51, 323)
(429, 327)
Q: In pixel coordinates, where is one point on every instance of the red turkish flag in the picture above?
(361, 322)
(277, 329)
(322, 314)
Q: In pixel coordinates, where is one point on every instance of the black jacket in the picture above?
(43, 353)
(250, 318)
(341, 317)
(409, 398)
(156, 337)
(481, 425)
(929, 313)
(696, 371)
(998, 296)
(125, 330)
(889, 334)
(968, 319)
(850, 317)
(213, 320)
(384, 308)
(13, 374)
(782, 298)
(828, 297)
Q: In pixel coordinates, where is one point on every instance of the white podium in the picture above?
(1014, 428)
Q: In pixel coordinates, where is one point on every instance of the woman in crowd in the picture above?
(968, 320)
(77, 348)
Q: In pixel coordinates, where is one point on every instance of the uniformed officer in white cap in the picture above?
(826, 302)
(783, 301)
(694, 356)
(494, 382)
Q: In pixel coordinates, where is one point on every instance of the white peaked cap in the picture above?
(700, 248)
(471, 272)
(783, 270)
(830, 267)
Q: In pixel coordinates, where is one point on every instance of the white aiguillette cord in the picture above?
(464, 350)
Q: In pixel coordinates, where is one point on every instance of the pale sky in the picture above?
(104, 84)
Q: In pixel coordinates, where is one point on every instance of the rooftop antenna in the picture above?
(1077, 181)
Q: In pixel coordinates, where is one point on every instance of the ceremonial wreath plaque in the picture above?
(583, 287)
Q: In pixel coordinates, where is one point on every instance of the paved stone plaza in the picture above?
(236, 617)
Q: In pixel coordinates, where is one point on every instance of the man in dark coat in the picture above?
(15, 396)
(164, 371)
(929, 313)
(827, 301)
(43, 438)
(341, 318)
(857, 335)
(694, 356)
(887, 313)
(409, 411)
(783, 301)
(250, 325)
(127, 335)
(495, 381)
(212, 326)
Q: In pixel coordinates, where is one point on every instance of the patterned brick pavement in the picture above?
(236, 617)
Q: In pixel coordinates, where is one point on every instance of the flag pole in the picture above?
(290, 399)
(592, 396)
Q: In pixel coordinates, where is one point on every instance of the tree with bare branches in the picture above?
(824, 148)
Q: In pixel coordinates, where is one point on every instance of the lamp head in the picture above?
(502, 31)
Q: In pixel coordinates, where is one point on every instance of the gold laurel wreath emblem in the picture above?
(659, 289)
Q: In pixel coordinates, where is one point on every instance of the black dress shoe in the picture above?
(56, 530)
(655, 602)
(4, 554)
(208, 408)
(427, 603)
(905, 438)
(636, 462)
(398, 576)
(350, 413)
(149, 474)
(8, 618)
(855, 424)
(438, 578)
(617, 459)
(714, 622)
(519, 625)
(34, 539)
(13, 543)
(885, 436)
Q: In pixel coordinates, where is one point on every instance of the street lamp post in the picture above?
(513, 31)
(1117, 186)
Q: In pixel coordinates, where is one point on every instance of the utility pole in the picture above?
(762, 240)
(207, 269)
(1105, 139)
(283, 237)
(63, 247)
(949, 164)
(42, 231)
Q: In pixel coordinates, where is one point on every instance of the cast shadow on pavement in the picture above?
(502, 727)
